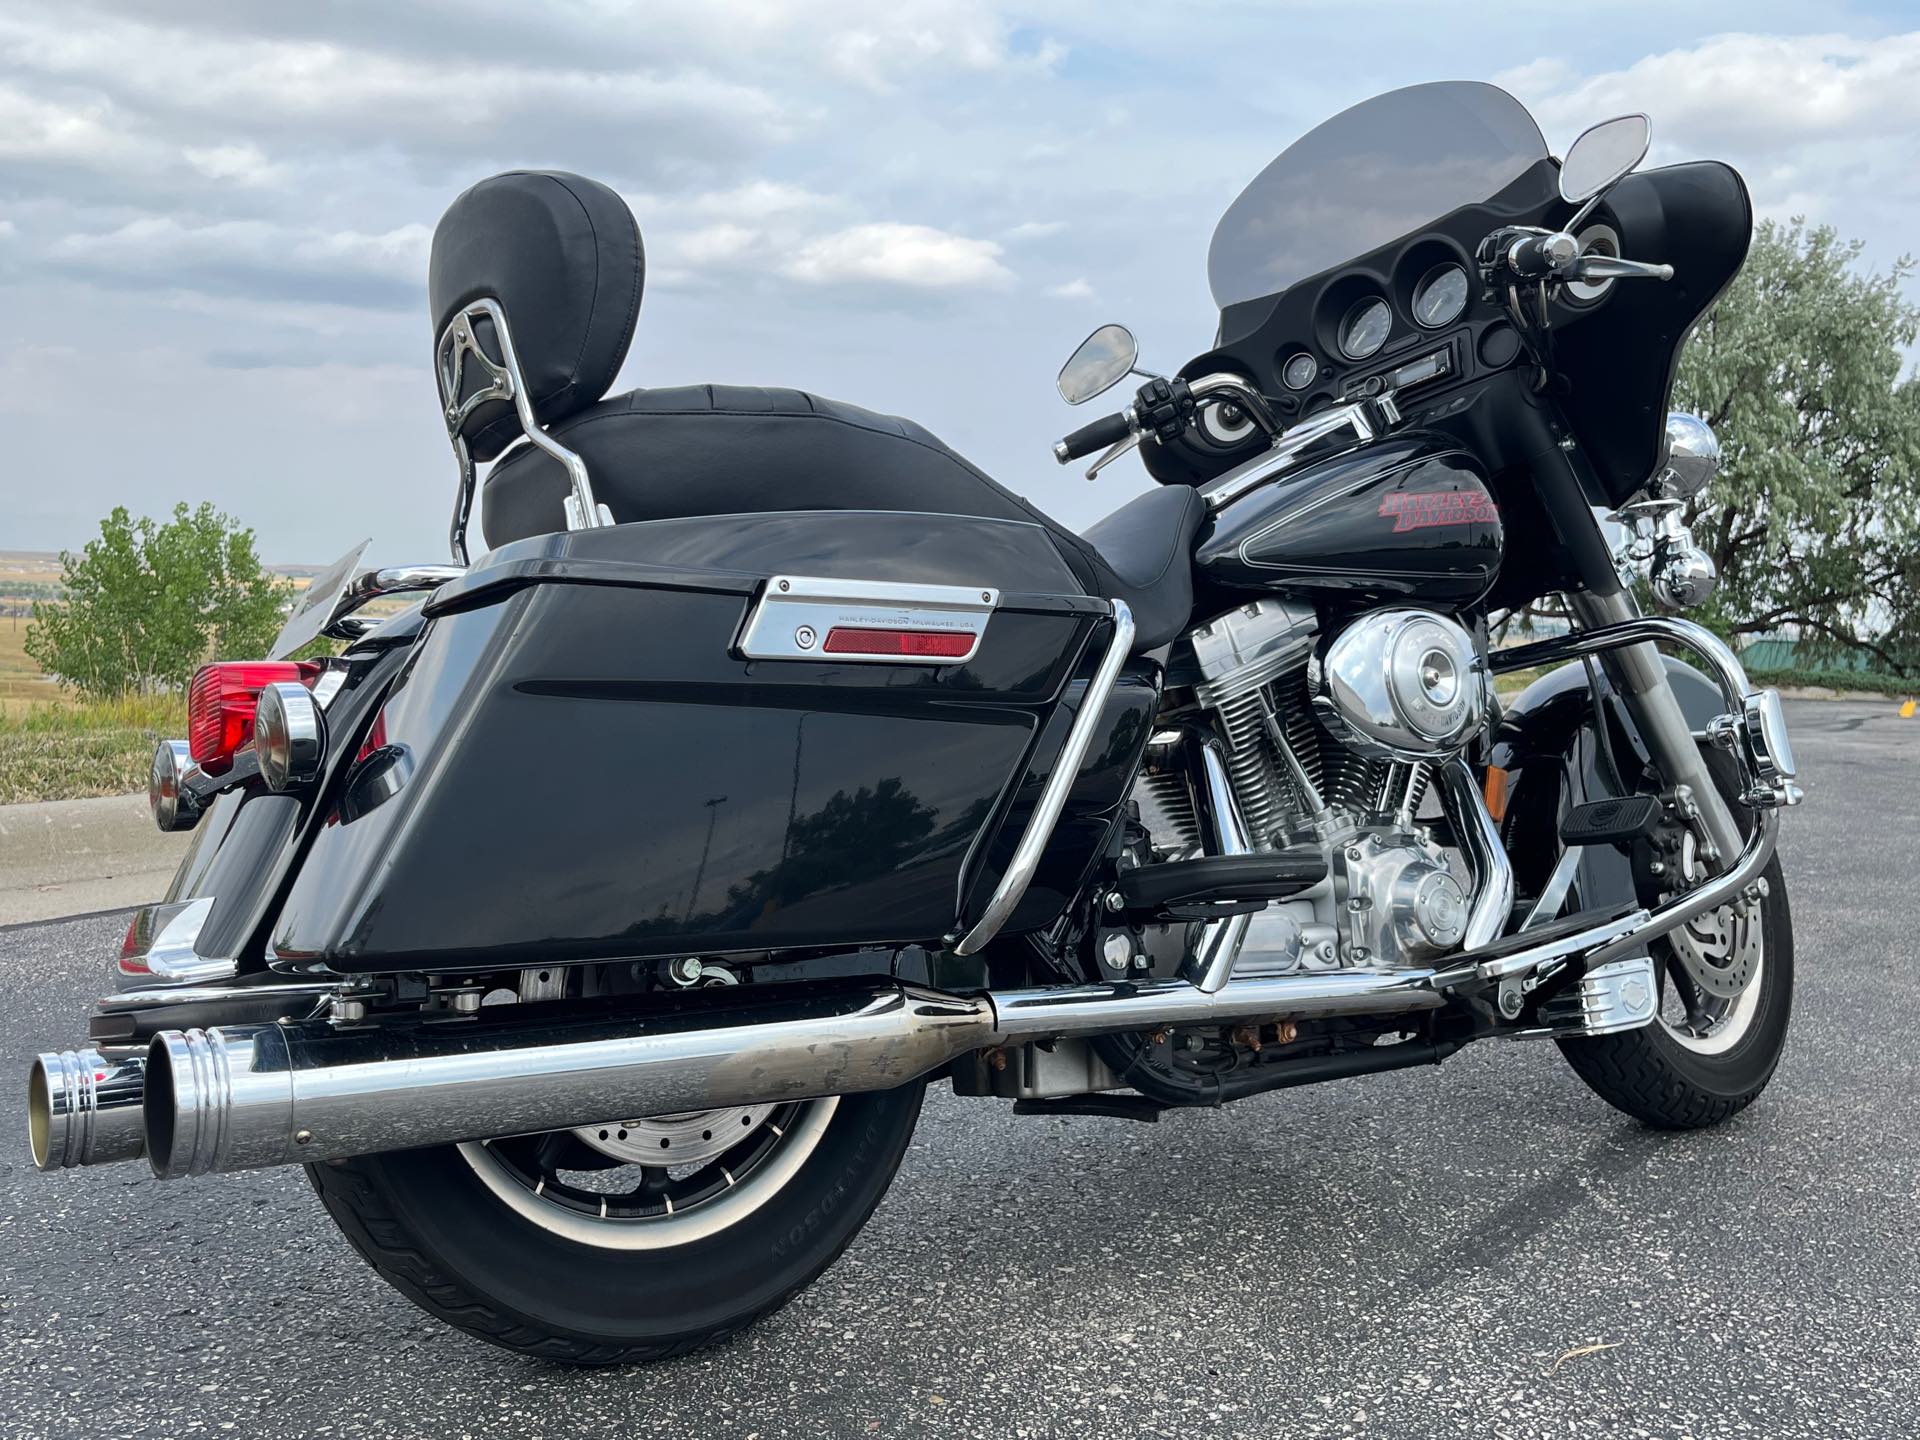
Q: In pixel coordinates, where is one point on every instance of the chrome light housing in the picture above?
(169, 792)
(1402, 685)
(289, 735)
(1767, 739)
(1693, 458)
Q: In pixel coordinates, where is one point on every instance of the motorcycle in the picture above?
(590, 928)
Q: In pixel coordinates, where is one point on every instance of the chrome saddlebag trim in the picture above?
(159, 948)
(796, 615)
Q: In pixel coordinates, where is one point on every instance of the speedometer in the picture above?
(1440, 296)
(1365, 329)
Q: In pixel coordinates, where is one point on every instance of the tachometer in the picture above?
(1300, 370)
(1365, 329)
(1440, 296)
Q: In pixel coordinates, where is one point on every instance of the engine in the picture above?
(1332, 746)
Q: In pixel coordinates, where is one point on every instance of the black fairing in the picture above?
(1409, 518)
(1615, 358)
(577, 766)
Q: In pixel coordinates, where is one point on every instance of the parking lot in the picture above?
(1483, 1249)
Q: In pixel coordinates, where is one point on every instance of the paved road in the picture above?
(69, 857)
(1408, 1255)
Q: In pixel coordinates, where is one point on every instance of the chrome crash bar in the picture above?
(1066, 769)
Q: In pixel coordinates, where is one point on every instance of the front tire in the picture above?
(557, 1281)
(1677, 1075)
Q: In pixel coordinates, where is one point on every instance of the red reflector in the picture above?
(930, 644)
(220, 705)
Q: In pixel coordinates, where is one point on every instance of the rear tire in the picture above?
(436, 1228)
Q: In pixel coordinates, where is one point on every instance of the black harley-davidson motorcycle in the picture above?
(590, 929)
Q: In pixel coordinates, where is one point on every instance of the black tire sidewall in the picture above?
(1741, 1071)
(600, 1296)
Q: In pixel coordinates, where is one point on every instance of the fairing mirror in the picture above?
(1603, 155)
(1102, 361)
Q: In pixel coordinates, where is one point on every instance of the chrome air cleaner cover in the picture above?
(1402, 685)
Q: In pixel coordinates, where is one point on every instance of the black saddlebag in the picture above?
(579, 761)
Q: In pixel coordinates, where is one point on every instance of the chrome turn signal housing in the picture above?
(169, 791)
(289, 735)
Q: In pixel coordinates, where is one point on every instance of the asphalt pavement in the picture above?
(1485, 1249)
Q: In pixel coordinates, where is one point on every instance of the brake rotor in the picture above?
(691, 1137)
(1719, 949)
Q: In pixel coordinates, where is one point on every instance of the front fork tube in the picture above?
(1640, 676)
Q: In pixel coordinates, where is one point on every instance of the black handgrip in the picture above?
(1110, 430)
(1540, 255)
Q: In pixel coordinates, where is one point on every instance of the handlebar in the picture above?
(1108, 430)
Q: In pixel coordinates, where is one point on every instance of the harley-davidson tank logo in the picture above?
(1418, 509)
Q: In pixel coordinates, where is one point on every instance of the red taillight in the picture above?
(908, 644)
(220, 705)
(376, 738)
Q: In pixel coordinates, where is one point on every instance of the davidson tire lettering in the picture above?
(1420, 509)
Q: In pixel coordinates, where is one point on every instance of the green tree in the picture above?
(1814, 520)
(148, 603)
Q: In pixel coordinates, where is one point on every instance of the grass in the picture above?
(1864, 681)
(56, 746)
(70, 749)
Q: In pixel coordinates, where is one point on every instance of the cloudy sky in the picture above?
(214, 225)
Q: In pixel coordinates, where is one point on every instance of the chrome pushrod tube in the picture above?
(1211, 963)
(1066, 769)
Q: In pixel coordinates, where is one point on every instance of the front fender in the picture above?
(1547, 759)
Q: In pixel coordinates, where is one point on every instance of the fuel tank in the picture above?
(1410, 517)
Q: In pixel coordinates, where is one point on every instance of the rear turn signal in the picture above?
(221, 701)
(908, 644)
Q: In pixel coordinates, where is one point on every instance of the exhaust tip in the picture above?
(84, 1108)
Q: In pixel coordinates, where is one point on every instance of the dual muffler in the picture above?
(247, 1096)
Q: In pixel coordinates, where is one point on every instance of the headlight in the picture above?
(289, 735)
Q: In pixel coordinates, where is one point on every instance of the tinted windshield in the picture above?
(1383, 169)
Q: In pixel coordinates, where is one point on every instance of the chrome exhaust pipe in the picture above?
(84, 1108)
(247, 1096)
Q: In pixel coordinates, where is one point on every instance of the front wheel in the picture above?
(1726, 994)
(627, 1241)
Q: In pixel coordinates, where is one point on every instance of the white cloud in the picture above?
(1034, 230)
(242, 164)
(1076, 289)
(249, 253)
(1746, 90)
(888, 253)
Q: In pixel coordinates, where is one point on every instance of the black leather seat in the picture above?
(729, 450)
(562, 257)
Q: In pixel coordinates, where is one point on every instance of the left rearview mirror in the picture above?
(1101, 362)
(1607, 153)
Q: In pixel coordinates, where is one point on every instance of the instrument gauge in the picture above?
(1300, 370)
(1365, 329)
(1440, 296)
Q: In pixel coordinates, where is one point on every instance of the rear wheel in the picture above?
(628, 1241)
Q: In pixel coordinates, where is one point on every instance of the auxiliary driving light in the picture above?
(289, 735)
